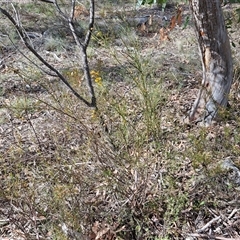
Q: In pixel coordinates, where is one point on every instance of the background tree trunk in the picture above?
(216, 59)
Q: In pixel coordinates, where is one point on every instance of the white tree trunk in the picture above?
(216, 59)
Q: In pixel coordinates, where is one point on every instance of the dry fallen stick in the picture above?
(4, 222)
(208, 224)
(235, 210)
(206, 236)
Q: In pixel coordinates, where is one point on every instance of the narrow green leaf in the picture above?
(186, 22)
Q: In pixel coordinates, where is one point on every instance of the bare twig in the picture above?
(235, 210)
(208, 224)
(24, 38)
(206, 236)
(47, 1)
(34, 131)
(72, 10)
(59, 10)
(83, 46)
(91, 23)
(31, 61)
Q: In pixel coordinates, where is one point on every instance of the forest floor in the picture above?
(134, 169)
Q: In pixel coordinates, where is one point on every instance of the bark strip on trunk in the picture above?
(216, 57)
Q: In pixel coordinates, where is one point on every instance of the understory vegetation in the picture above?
(133, 168)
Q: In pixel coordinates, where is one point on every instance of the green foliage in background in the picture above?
(143, 2)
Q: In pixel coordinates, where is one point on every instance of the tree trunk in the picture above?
(216, 57)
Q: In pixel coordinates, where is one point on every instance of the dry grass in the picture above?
(132, 170)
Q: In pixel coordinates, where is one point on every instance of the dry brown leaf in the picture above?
(179, 16)
(150, 20)
(176, 19)
(164, 34)
(172, 23)
(142, 27)
(102, 231)
(95, 227)
(80, 11)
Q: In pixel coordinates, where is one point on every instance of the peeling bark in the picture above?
(216, 58)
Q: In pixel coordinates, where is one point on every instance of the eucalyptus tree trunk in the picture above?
(216, 58)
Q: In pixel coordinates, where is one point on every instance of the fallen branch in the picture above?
(206, 236)
(206, 226)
